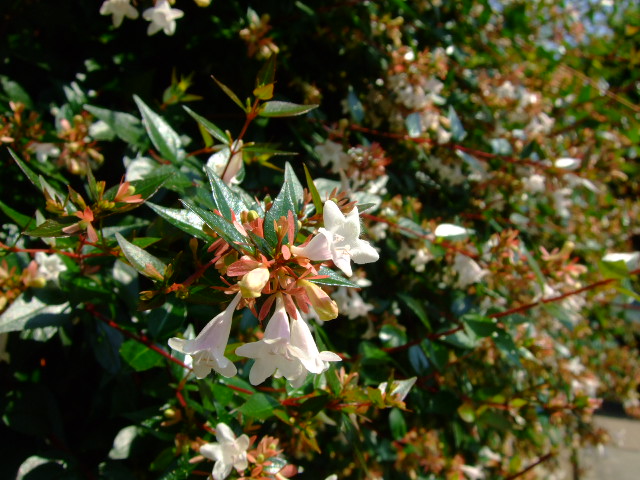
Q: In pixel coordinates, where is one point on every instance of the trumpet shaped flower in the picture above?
(228, 452)
(339, 240)
(207, 349)
(287, 350)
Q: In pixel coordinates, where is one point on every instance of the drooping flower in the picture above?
(253, 282)
(287, 350)
(274, 354)
(228, 452)
(207, 349)
(339, 240)
(118, 9)
(325, 308)
(162, 17)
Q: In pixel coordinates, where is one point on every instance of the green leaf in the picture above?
(185, 220)
(140, 356)
(397, 423)
(53, 227)
(127, 127)
(467, 412)
(15, 92)
(480, 326)
(317, 201)
(230, 93)
(21, 220)
(259, 406)
(209, 126)
(163, 137)
(142, 261)
(165, 320)
(617, 270)
(333, 278)
(267, 74)
(31, 175)
(27, 312)
(288, 200)
(148, 186)
(224, 199)
(417, 308)
(222, 227)
(277, 108)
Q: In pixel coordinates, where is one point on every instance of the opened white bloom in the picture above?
(631, 259)
(207, 349)
(447, 230)
(350, 303)
(44, 150)
(286, 350)
(162, 17)
(332, 153)
(228, 452)
(118, 9)
(339, 240)
(468, 270)
(567, 163)
(49, 266)
(473, 472)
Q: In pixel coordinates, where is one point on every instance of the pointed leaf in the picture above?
(27, 313)
(208, 126)
(141, 260)
(21, 220)
(229, 93)
(224, 199)
(140, 356)
(317, 201)
(333, 278)
(52, 227)
(288, 200)
(163, 137)
(127, 127)
(31, 175)
(277, 108)
(222, 227)
(185, 220)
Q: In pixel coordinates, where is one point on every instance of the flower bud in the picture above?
(321, 302)
(253, 282)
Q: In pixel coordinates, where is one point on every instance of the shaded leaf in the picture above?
(142, 260)
(163, 137)
(277, 108)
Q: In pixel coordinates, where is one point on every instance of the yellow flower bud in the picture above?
(321, 302)
(253, 282)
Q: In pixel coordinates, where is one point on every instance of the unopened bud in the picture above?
(321, 302)
(253, 282)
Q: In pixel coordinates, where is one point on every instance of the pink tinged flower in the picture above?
(162, 17)
(228, 452)
(86, 217)
(253, 282)
(342, 234)
(118, 9)
(325, 308)
(207, 349)
(274, 354)
(316, 250)
(307, 350)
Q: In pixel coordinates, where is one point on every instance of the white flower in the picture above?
(228, 452)
(421, 258)
(447, 230)
(44, 150)
(468, 270)
(332, 153)
(49, 266)
(534, 183)
(207, 349)
(350, 303)
(118, 9)
(342, 236)
(162, 17)
(631, 260)
(286, 350)
(472, 472)
(567, 163)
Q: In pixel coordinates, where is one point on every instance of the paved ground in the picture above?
(619, 460)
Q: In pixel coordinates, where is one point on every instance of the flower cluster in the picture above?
(160, 16)
(287, 348)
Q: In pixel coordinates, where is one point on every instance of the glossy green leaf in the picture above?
(229, 93)
(27, 312)
(288, 200)
(224, 199)
(209, 126)
(141, 260)
(417, 308)
(126, 127)
(53, 227)
(139, 356)
(184, 219)
(163, 137)
(22, 221)
(277, 108)
(259, 406)
(333, 278)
